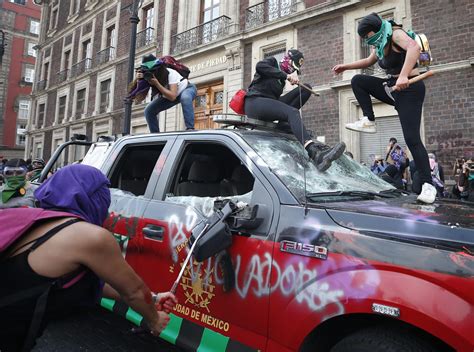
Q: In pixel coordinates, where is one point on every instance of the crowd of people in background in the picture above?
(397, 168)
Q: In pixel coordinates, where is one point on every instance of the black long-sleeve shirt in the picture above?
(268, 80)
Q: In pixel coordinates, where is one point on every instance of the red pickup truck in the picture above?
(334, 261)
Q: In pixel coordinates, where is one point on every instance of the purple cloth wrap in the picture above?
(78, 189)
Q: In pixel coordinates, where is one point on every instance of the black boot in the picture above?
(323, 155)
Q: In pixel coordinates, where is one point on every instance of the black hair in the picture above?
(393, 139)
(370, 23)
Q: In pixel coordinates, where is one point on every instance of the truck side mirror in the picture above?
(217, 237)
(246, 219)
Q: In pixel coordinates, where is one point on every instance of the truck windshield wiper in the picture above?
(395, 192)
(363, 194)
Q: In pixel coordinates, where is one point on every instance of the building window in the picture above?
(108, 53)
(80, 101)
(29, 74)
(61, 108)
(210, 10)
(53, 22)
(45, 70)
(280, 8)
(41, 108)
(20, 134)
(67, 60)
(104, 95)
(111, 36)
(23, 109)
(31, 49)
(148, 17)
(277, 52)
(74, 7)
(38, 150)
(86, 49)
(34, 27)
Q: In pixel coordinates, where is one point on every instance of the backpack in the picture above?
(174, 64)
(425, 58)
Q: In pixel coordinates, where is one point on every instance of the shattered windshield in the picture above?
(288, 160)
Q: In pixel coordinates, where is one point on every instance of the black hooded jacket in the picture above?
(268, 81)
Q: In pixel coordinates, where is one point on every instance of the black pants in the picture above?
(285, 109)
(408, 103)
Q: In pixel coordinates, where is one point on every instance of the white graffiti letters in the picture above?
(264, 276)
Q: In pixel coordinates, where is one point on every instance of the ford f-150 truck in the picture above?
(334, 261)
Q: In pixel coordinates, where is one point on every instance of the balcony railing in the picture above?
(145, 37)
(105, 55)
(202, 34)
(41, 85)
(268, 11)
(81, 67)
(63, 75)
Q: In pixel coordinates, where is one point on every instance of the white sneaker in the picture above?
(428, 194)
(363, 125)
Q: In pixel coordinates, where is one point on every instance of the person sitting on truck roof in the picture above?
(264, 101)
(58, 263)
(16, 192)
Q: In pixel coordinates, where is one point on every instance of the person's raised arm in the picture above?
(402, 39)
(170, 93)
(98, 250)
(363, 63)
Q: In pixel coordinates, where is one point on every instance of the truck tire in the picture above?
(383, 340)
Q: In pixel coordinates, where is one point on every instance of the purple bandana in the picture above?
(286, 64)
(78, 189)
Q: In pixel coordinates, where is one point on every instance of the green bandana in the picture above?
(13, 187)
(379, 39)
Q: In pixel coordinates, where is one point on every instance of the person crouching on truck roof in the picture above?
(264, 101)
(63, 258)
(16, 192)
(397, 53)
(169, 88)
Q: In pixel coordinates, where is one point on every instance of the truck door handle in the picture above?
(154, 232)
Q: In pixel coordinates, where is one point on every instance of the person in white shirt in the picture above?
(169, 88)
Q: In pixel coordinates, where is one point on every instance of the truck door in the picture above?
(133, 172)
(213, 306)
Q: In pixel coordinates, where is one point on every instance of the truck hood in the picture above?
(443, 221)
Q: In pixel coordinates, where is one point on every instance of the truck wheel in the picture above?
(383, 340)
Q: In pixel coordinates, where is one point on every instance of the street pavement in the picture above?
(98, 330)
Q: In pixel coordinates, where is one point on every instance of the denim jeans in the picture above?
(160, 103)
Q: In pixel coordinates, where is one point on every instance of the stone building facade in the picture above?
(83, 61)
(19, 23)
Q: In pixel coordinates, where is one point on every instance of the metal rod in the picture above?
(178, 279)
(308, 89)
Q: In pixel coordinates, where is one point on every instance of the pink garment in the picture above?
(16, 221)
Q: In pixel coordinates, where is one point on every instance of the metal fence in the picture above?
(41, 85)
(105, 55)
(62, 75)
(81, 67)
(145, 37)
(267, 11)
(202, 34)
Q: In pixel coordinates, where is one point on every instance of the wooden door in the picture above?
(207, 103)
